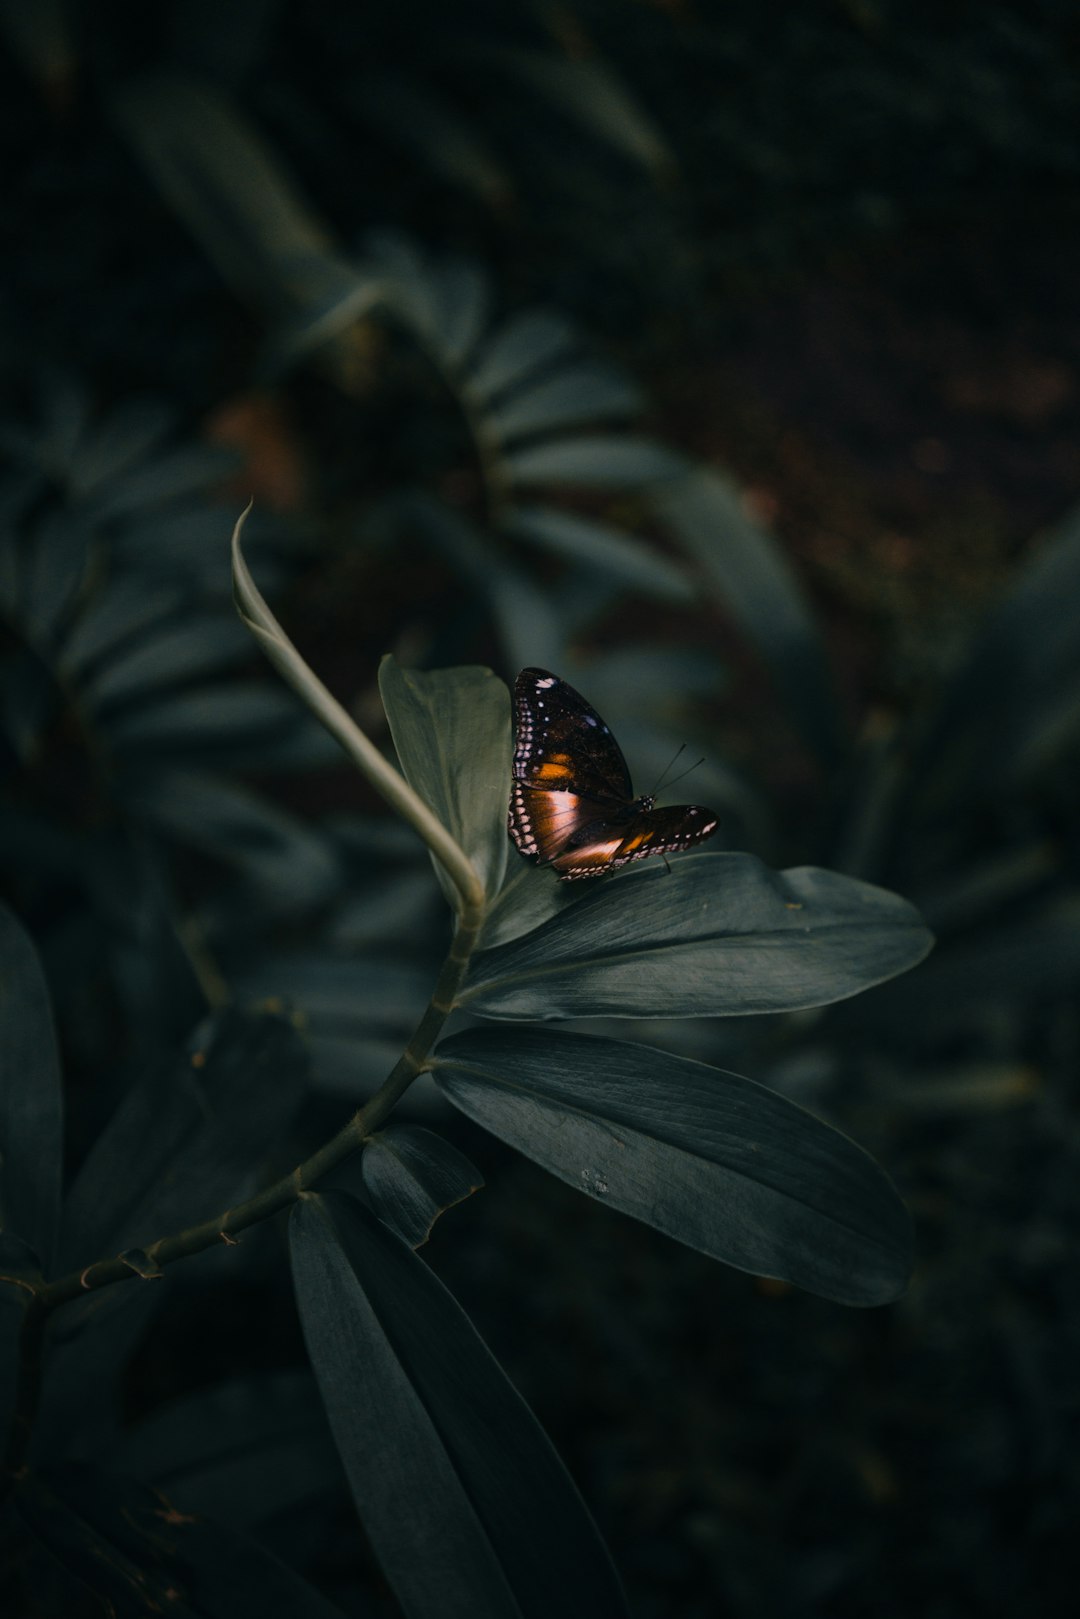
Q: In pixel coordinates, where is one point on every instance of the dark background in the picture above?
(846, 275)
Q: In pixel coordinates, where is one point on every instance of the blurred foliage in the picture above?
(401, 273)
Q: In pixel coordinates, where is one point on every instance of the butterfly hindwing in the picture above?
(571, 798)
(605, 846)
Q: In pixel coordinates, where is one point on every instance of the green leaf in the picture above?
(240, 1452)
(412, 1176)
(143, 1557)
(595, 463)
(583, 392)
(177, 653)
(465, 1503)
(223, 181)
(216, 719)
(530, 629)
(752, 577)
(186, 1136)
(451, 730)
(464, 295)
(524, 345)
(123, 611)
(31, 1098)
(1013, 703)
(719, 935)
(422, 120)
(275, 851)
(590, 93)
(712, 1159)
(599, 546)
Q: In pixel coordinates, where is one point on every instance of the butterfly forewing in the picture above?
(571, 799)
(563, 743)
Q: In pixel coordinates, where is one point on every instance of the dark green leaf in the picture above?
(467, 1506)
(331, 991)
(412, 1176)
(608, 550)
(145, 1558)
(430, 126)
(451, 730)
(529, 627)
(755, 583)
(218, 719)
(186, 1136)
(239, 1452)
(179, 652)
(223, 181)
(275, 851)
(588, 91)
(582, 392)
(464, 295)
(720, 935)
(715, 1160)
(19, 1268)
(523, 346)
(123, 611)
(31, 1099)
(595, 463)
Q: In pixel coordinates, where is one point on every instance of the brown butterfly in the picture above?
(571, 798)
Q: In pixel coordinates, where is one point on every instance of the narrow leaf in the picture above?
(31, 1099)
(222, 180)
(584, 392)
(180, 652)
(186, 1136)
(523, 346)
(720, 935)
(607, 550)
(240, 1451)
(754, 582)
(713, 1159)
(466, 1504)
(590, 93)
(595, 463)
(412, 1176)
(142, 1556)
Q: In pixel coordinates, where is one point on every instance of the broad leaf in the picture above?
(465, 1503)
(141, 1556)
(715, 1160)
(754, 581)
(451, 730)
(719, 935)
(412, 1176)
(31, 1100)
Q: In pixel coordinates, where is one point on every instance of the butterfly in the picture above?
(571, 799)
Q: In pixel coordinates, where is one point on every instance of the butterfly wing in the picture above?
(603, 846)
(568, 769)
(571, 799)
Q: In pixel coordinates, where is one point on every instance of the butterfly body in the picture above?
(571, 800)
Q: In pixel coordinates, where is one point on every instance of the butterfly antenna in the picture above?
(679, 777)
